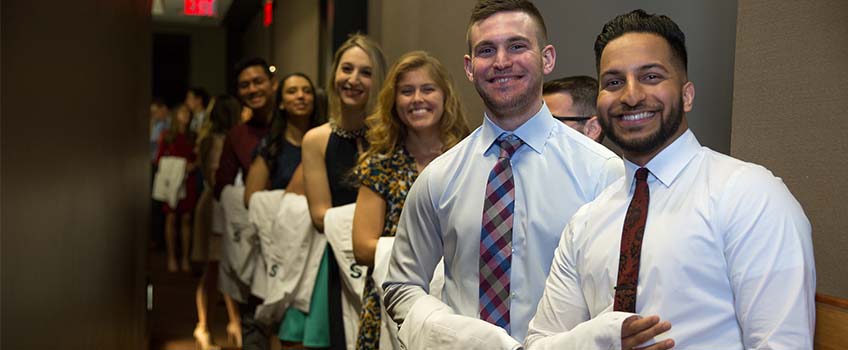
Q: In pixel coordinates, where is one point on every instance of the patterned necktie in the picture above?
(631, 245)
(496, 237)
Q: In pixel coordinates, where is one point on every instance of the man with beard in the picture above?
(255, 86)
(494, 205)
(692, 248)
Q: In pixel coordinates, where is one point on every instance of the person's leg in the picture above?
(201, 332)
(201, 301)
(234, 323)
(171, 241)
(185, 234)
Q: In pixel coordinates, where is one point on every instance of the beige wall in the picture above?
(789, 104)
(295, 46)
(436, 26)
(256, 41)
(75, 172)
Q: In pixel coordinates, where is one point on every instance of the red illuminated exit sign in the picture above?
(199, 7)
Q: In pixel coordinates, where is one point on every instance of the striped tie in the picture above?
(496, 236)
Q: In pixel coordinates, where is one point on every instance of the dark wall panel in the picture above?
(75, 169)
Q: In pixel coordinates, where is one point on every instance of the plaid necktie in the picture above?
(496, 237)
(631, 245)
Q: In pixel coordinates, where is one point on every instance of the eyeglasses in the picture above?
(574, 118)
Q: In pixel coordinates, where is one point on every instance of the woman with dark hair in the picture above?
(179, 142)
(277, 164)
(208, 225)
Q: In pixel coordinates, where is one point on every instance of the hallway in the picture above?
(173, 317)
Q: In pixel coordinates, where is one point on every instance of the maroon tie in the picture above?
(631, 245)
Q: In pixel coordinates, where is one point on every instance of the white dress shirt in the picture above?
(727, 258)
(555, 172)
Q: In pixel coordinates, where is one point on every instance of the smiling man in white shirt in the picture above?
(692, 248)
(533, 171)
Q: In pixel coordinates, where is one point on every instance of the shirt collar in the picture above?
(534, 132)
(667, 165)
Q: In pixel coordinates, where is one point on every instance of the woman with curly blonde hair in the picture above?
(418, 117)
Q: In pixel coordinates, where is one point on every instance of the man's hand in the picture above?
(636, 330)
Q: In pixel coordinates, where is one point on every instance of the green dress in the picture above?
(390, 176)
(310, 329)
(322, 327)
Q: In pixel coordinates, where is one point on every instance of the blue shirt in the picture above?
(156, 131)
(555, 172)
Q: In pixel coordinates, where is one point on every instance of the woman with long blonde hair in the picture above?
(419, 116)
(330, 151)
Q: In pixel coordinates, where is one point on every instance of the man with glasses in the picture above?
(572, 101)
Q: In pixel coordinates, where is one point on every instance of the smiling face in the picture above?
(298, 97)
(506, 63)
(353, 78)
(255, 88)
(419, 101)
(644, 95)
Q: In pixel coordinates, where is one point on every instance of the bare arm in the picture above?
(315, 174)
(213, 157)
(368, 222)
(228, 167)
(257, 179)
(296, 184)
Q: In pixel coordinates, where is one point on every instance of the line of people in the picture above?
(372, 217)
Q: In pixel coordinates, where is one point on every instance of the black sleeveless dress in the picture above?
(282, 165)
(340, 157)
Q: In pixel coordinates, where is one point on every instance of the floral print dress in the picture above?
(390, 176)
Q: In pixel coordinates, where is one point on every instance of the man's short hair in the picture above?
(583, 91)
(639, 21)
(250, 62)
(200, 92)
(488, 8)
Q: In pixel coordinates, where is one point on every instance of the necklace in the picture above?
(347, 134)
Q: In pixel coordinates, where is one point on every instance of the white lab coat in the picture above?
(338, 228)
(239, 247)
(389, 329)
(169, 180)
(292, 251)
